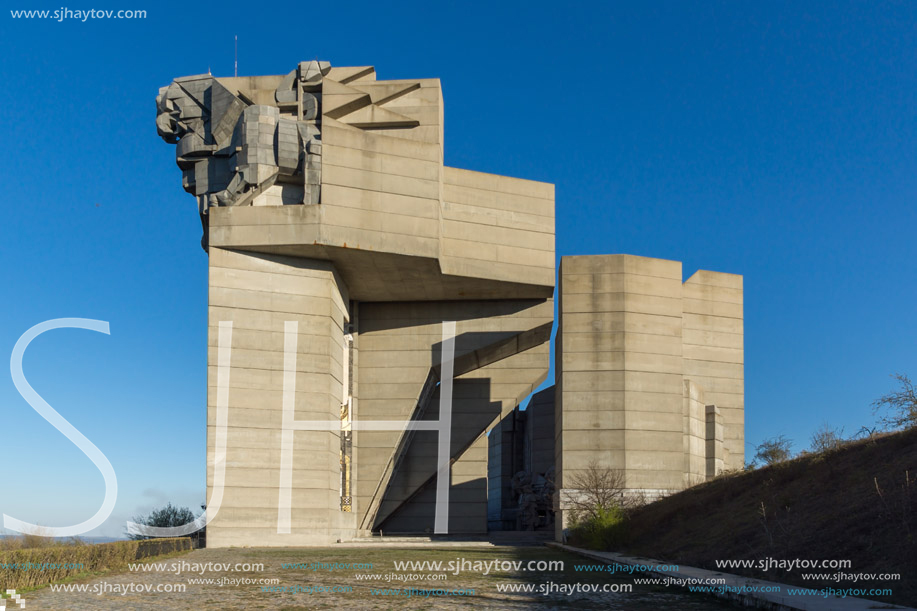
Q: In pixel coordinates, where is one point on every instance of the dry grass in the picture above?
(62, 561)
(857, 502)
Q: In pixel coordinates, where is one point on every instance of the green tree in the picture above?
(166, 516)
(899, 406)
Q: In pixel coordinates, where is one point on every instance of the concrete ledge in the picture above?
(758, 600)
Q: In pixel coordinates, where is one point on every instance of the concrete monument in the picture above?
(341, 249)
(325, 203)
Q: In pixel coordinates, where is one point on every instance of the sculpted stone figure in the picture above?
(547, 494)
(231, 149)
(524, 490)
(521, 480)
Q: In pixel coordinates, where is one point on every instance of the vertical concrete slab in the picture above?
(639, 354)
(695, 435)
(259, 294)
(715, 448)
(714, 351)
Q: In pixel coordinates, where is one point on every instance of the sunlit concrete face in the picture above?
(326, 206)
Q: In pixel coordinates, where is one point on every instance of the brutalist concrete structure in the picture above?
(326, 205)
(649, 374)
(341, 249)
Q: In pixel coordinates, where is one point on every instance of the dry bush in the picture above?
(39, 537)
(35, 539)
(827, 439)
(774, 451)
(10, 543)
(599, 506)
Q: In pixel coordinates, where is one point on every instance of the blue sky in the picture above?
(774, 140)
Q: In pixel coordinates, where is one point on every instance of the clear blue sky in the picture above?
(771, 139)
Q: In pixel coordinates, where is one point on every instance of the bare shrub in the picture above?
(599, 489)
(826, 439)
(774, 450)
(900, 406)
(600, 506)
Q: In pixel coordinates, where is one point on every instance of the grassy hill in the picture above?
(858, 502)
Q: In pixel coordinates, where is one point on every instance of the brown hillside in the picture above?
(858, 503)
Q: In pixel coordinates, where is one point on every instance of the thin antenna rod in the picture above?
(235, 70)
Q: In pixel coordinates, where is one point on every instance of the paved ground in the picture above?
(248, 592)
(746, 591)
